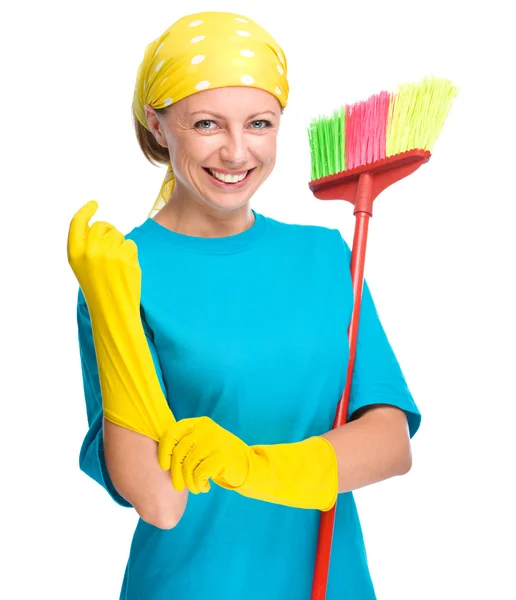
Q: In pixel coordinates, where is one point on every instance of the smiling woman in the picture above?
(221, 145)
(218, 68)
(214, 346)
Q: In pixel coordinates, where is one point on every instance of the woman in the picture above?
(227, 370)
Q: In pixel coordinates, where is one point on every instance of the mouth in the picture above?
(229, 181)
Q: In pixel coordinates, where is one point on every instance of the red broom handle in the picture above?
(363, 211)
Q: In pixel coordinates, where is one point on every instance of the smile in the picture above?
(227, 180)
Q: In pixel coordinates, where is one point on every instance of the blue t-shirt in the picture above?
(251, 330)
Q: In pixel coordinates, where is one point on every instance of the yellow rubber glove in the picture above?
(301, 474)
(107, 269)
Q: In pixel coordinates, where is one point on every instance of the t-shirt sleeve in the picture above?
(91, 457)
(377, 375)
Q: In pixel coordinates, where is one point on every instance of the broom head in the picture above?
(389, 136)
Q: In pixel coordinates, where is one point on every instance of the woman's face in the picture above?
(220, 134)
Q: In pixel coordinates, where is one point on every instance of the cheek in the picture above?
(265, 149)
(192, 148)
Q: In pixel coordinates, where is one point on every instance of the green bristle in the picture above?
(417, 114)
(328, 144)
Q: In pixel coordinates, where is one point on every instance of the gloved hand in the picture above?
(107, 269)
(301, 474)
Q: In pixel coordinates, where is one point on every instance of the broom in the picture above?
(356, 154)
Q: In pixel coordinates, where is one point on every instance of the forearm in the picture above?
(131, 393)
(131, 460)
(372, 448)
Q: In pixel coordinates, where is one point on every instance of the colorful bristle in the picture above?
(328, 144)
(384, 125)
(417, 114)
(366, 124)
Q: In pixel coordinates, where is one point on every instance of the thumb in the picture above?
(79, 226)
(165, 448)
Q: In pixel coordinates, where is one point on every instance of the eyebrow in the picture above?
(208, 112)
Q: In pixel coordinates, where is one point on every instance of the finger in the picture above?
(97, 231)
(79, 225)
(129, 250)
(165, 448)
(190, 466)
(209, 468)
(112, 241)
(170, 439)
(177, 482)
(116, 236)
(181, 451)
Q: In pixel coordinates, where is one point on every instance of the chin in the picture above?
(226, 203)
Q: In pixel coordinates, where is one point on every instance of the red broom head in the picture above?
(389, 136)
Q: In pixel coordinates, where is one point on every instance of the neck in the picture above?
(191, 217)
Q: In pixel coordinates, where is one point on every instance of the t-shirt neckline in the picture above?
(231, 243)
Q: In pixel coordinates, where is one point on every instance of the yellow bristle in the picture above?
(417, 113)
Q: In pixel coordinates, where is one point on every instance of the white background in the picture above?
(440, 263)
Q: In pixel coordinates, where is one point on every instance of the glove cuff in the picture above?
(302, 474)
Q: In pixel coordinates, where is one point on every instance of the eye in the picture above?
(204, 124)
(264, 124)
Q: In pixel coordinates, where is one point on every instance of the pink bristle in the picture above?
(366, 124)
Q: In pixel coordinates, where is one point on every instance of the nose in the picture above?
(234, 150)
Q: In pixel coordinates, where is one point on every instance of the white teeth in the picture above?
(227, 178)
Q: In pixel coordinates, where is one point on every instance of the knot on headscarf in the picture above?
(203, 51)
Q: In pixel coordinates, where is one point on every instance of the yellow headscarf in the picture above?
(204, 51)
